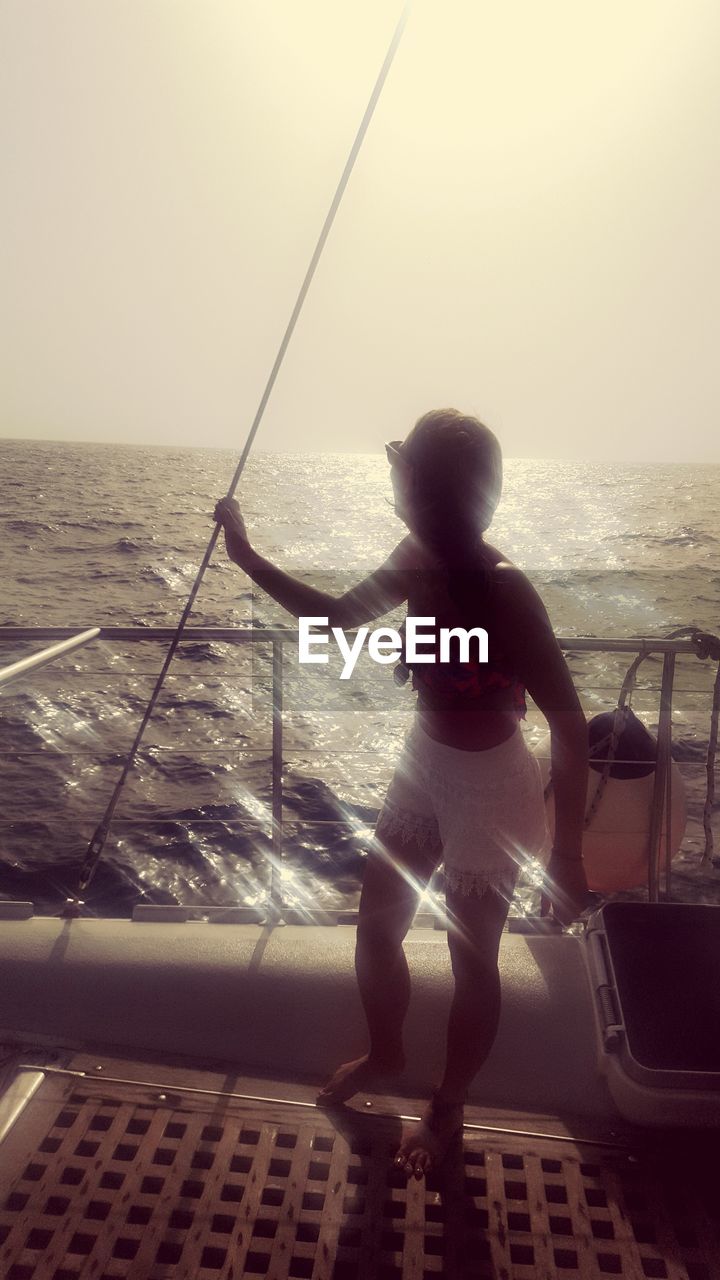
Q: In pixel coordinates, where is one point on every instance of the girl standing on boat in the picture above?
(466, 791)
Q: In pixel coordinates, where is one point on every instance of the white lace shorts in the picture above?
(483, 810)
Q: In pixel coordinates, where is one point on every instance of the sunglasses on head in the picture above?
(393, 450)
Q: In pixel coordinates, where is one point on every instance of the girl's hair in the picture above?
(457, 465)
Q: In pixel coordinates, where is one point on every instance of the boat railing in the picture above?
(66, 639)
(34, 661)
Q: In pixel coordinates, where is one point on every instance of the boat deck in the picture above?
(117, 1168)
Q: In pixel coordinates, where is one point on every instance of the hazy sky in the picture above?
(530, 232)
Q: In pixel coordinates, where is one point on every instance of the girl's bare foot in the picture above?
(362, 1073)
(427, 1143)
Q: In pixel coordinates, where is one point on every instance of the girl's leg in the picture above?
(396, 874)
(474, 932)
(475, 925)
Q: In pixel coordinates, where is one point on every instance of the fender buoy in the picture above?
(615, 843)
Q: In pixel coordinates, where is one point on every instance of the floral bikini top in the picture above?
(472, 683)
(467, 684)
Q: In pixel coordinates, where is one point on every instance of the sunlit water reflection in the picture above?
(117, 538)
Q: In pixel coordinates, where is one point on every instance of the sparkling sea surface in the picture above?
(112, 534)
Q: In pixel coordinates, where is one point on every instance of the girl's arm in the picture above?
(539, 662)
(383, 590)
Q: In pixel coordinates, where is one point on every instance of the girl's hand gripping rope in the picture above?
(227, 513)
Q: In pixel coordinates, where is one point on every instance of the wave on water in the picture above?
(682, 537)
(30, 526)
(689, 537)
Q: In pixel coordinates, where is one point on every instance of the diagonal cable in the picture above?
(97, 843)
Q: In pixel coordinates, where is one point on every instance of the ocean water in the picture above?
(100, 535)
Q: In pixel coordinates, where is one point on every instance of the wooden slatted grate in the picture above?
(105, 1181)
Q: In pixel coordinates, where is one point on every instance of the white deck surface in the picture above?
(284, 1000)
